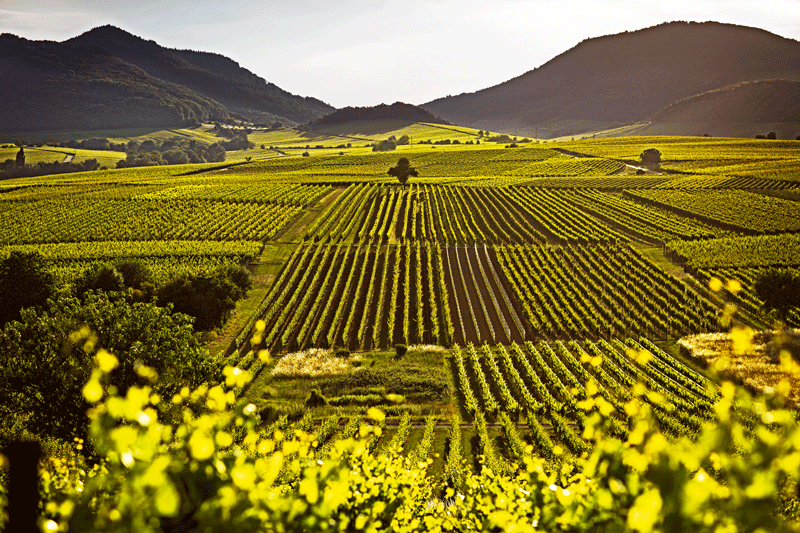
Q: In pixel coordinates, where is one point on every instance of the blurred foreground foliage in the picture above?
(47, 357)
(215, 468)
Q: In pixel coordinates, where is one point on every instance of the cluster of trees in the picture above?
(237, 137)
(47, 356)
(263, 125)
(49, 335)
(391, 143)
(772, 135)
(208, 298)
(780, 291)
(96, 143)
(171, 152)
(11, 169)
(441, 141)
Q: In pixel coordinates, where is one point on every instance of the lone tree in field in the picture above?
(403, 171)
(651, 158)
(779, 290)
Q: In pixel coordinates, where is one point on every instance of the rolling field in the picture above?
(512, 274)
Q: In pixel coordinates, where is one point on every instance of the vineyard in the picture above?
(493, 309)
(740, 211)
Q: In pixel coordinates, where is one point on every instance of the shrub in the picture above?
(102, 277)
(24, 282)
(209, 298)
(342, 352)
(48, 397)
(400, 350)
(134, 273)
(240, 276)
(779, 290)
(316, 399)
(358, 399)
(384, 146)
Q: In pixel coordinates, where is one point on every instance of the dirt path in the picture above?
(293, 231)
(645, 170)
(656, 255)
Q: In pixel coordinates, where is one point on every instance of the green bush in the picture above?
(209, 298)
(135, 273)
(100, 277)
(24, 282)
(47, 357)
(316, 399)
(342, 352)
(358, 399)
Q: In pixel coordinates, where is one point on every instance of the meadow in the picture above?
(532, 285)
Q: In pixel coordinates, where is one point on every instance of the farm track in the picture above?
(294, 229)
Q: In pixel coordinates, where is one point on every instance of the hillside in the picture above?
(381, 117)
(56, 86)
(109, 78)
(624, 78)
(743, 109)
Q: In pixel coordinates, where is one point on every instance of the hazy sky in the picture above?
(363, 52)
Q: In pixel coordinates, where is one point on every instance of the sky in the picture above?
(367, 52)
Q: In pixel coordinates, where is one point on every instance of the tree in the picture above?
(403, 171)
(651, 158)
(215, 153)
(771, 135)
(21, 157)
(209, 298)
(100, 277)
(779, 290)
(24, 282)
(47, 357)
(384, 146)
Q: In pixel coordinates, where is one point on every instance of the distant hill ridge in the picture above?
(625, 77)
(109, 78)
(760, 101)
(398, 111)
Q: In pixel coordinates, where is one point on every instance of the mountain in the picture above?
(376, 118)
(625, 77)
(48, 86)
(109, 78)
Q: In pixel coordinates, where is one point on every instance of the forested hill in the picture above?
(625, 77)
(398, 112)
(109, 78)
(47, 85)
(761, 101)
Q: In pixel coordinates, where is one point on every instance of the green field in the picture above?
(515, 275)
